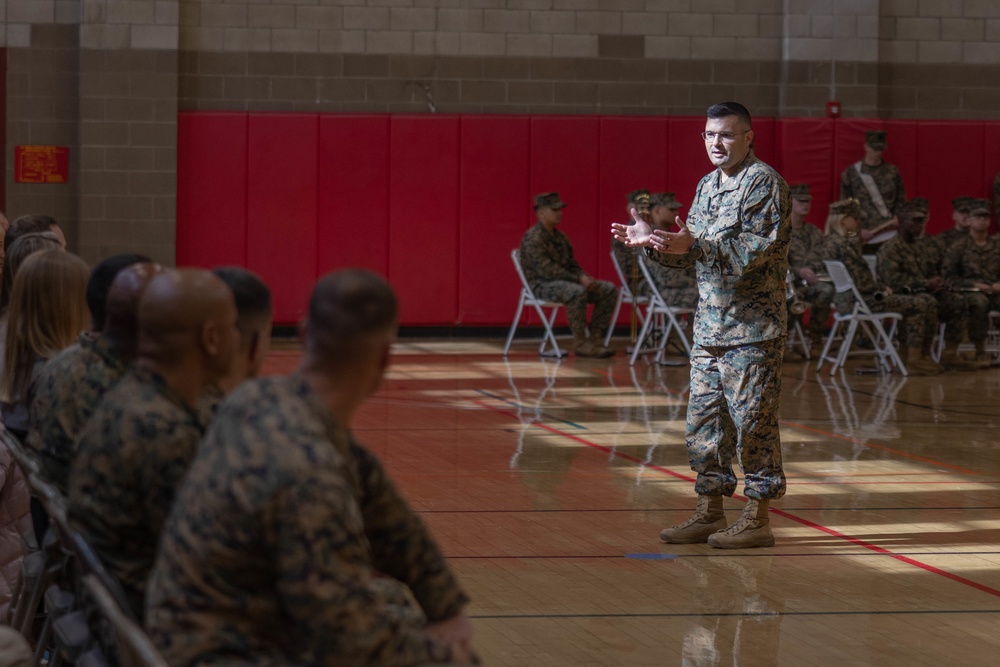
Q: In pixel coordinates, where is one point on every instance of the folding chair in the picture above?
(861, 315)
(528, 298)
(624, 296)
(135, 649)
(796, 336)
(659, 316)
(872, 264)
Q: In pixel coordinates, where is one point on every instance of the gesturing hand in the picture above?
(675, 243)
(635, 235)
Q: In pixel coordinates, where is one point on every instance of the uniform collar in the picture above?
(733, 182)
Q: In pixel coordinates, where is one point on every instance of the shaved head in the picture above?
(185, 313)
(122, 306)
(349, 311)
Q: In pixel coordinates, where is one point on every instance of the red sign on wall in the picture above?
(41, 164)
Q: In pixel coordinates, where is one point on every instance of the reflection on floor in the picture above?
(547, 482)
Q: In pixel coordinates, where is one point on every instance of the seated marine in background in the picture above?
(555, 275)
(919, 316)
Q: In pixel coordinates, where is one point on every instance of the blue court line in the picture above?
(522, 407)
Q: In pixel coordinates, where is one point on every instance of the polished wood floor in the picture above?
(547, 484)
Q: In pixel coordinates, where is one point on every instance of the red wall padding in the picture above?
(423, 227)
(282, 189)
(494, 212)
(353, 215)
(212, 189)
(437, 202)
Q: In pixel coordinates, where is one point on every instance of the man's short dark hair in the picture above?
(252, 296)
(346, 306)
(27, 224)
(724, 109)
(99, 284)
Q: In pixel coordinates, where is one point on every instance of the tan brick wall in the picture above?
(101, 77)
(106, 77)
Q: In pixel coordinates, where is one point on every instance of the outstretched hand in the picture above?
(674, 243)
(636, 235)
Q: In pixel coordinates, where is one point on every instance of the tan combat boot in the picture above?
(917, 364)
(708, 518)
(753, 529)
(597, 345)
(952, 361)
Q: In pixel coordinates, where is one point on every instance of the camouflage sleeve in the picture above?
(900, 193)
(325, 580)
(891, 269)
(759, 241)
(951, 267)
(846, 191)
(671, 278)
(544, 266)
(163, 467)
(401, 545)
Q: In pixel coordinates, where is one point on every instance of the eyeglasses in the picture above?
(727, 137)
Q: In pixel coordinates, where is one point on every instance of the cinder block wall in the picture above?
(107, 77)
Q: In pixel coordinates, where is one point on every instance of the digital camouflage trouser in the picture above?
(733, 413)
(602, 294)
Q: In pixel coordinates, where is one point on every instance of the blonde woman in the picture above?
(48, 311)
(920, 322)
(25, 246)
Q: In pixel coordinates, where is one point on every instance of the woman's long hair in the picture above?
(48, 311)
(25, 246)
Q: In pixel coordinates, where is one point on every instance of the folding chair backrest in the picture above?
(842, 282)
(135, 649)
(515, 256)
(655, 298)
(23, 457)
(626, 290)
(872, 264)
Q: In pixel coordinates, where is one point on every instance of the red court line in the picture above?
(897, 452)
(805, 522)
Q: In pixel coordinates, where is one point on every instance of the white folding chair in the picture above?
(659, 317)
(625, 295)
(861, 315)
(528, 298)
(872, 264)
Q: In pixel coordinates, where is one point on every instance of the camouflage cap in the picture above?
(549, 200)
(668, 199)
(876, 139)
(800, 191)
(979, 208)
(851, 207)
(915, 209)
(639, 197)
(961, 204)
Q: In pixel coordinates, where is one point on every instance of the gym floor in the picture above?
(547, 483)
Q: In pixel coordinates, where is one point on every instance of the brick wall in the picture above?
(107, 77)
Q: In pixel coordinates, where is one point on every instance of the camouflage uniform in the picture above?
(741, 227)
(966, 263)
(920, 319)
(948, 238)
(907, 267)
(281, 541)
(130, 459)
(807, 249)
(677, 286)
(62, 399)
(889, 182)
(554, 275)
